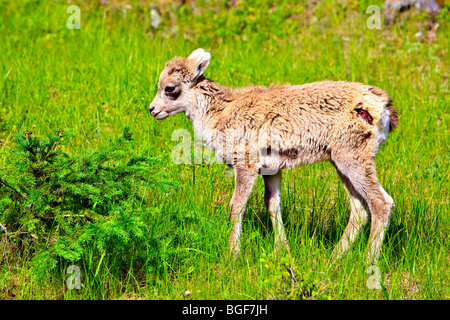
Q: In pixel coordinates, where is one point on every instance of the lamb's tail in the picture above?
(393, 116)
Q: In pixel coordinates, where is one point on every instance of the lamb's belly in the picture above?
(293, 157)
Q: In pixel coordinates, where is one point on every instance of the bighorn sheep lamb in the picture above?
(259, 130)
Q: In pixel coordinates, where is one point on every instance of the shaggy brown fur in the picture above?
(264, 130)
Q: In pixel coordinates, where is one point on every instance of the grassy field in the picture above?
(102, 77)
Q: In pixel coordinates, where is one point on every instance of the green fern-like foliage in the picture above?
(69, 207)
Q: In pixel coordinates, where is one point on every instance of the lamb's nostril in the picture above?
(151, 109)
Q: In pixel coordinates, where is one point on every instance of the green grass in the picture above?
(100, 78)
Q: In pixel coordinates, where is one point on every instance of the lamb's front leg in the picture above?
(245, 177)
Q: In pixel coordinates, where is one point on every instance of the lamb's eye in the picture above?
(169, 89)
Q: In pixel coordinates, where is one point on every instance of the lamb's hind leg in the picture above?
(358, 217)
(379, 226)
(272, 198)
(361, 174)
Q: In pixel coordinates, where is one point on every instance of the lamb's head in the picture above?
(175, 82)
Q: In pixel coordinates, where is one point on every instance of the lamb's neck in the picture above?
(209, 100)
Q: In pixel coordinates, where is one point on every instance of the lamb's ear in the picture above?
(200, 61)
